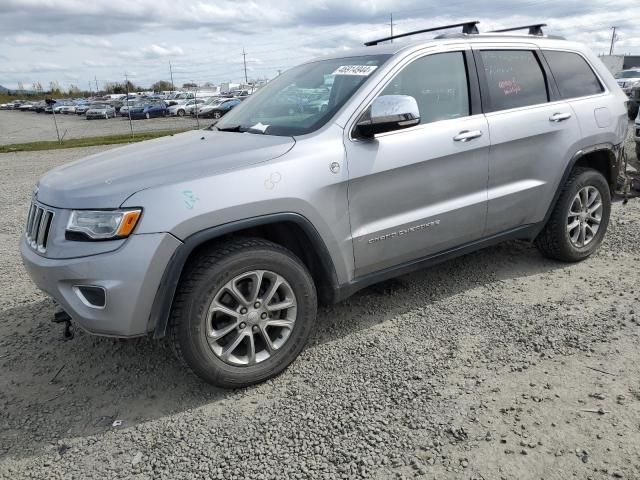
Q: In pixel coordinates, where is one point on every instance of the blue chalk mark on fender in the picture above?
(190, 199)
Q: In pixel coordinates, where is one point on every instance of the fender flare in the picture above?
(163, 300)
(615, 158)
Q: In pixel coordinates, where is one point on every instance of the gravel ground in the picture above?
(25, 127)
(500, 364)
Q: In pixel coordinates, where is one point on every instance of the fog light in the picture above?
(91, 296)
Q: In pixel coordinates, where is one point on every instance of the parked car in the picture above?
(149, 110)
(628, 79)
(179, 97)
(218, 110)
(187, 108)
(634, 102)
(124, 110)
(68, 108)
(225, 239)
(38, 107)
(101, 110)
(82, 108)
(61, 104)
(26, 107)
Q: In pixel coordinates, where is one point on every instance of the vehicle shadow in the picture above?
(53, 389)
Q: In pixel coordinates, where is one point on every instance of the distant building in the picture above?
(615, 63)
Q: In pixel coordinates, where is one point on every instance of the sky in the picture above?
(79, 42)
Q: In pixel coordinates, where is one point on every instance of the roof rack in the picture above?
(467, 28)
(535, 29)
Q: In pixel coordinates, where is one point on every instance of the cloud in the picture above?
(27, 40)
(159, 51)
(95, 42)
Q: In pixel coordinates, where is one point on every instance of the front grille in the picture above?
(38, 226)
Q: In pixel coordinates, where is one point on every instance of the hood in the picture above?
(107, 179)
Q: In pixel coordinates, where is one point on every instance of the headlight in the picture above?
(104, 224)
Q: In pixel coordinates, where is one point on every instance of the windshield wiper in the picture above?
(229, 129)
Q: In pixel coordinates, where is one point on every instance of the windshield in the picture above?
(628, 74)
(302, 99)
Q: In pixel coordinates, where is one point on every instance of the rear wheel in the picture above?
(243, 312)
(579, 219)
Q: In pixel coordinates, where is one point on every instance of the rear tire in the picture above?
(579, 219)
(205, 302)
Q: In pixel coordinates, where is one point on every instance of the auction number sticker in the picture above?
(361, 70)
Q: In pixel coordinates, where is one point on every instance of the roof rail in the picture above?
(535, 29)
(467, 27)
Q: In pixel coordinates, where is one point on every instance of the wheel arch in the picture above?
(291, 230)
(605, 158)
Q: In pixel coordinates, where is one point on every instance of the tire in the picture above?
(633, 111)
(556, 240)
(217, 115)
(147, 116)
(180, 113)
(638, 152)
(206, 279)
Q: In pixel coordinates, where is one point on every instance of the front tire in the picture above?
(244, 310)
(579, 219)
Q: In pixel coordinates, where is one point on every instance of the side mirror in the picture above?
(388, 113)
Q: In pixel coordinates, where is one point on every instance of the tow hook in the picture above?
(60, 316)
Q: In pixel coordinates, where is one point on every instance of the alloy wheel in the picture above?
(250, 318)
(585, 216)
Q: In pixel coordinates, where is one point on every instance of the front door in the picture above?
(422, 190)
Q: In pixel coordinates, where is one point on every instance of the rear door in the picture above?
(422, 190)
(533, 134)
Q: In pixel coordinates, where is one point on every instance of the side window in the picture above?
(573, 74)
(438, 83)
(514, 79)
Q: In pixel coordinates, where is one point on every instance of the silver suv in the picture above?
(339, 173)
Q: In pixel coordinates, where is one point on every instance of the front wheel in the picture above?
(243, 312)
(217, 115)
(181, 113)
(579, 219)
(147, 116)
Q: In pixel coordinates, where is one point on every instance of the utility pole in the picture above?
(195, 101)
(89, 82)
(126, 82)
(96, 80)
(391, 25)
(171, 73)
(613, 39)
(244, 59)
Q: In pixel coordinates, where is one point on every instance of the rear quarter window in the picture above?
(514, 78)
(573, 75)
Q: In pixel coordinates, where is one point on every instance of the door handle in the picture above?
(559, 117)
(466, 135)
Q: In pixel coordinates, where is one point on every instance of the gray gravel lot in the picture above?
(491, 366)
(24, 127)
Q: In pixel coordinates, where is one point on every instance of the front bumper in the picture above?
(129, 275)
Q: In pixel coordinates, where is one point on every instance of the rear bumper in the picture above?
(130, 276)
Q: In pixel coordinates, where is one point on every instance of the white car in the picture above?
(66, 109)
(187, 108)
(627, 79)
